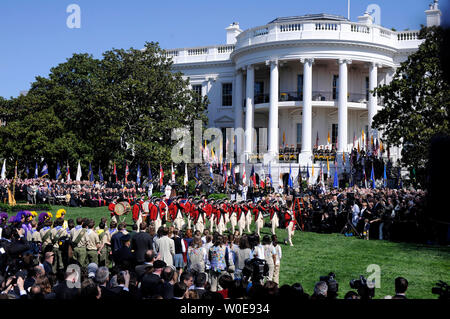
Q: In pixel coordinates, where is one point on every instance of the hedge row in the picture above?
(12, 209)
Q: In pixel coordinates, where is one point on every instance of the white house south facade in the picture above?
(304, 78)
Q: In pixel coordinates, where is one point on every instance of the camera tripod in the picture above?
(349, 226)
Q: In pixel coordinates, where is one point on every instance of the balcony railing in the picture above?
(325, 96)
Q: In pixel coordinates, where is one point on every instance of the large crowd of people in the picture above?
(188, 246)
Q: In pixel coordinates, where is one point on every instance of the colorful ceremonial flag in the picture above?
(284, 139)
(312, 171)
(68, 173)
(384, 175)
(44, 170)
(336, 178)
(196, 175)
(328, 167)
(253, 176)
(115, 172)
(3, 175)
(100, 175)
(58, 171)
(343, 158)
(161, 175)
(233, 173)
(138, 175)
(262, 179)
(270, 173)
(358, 148)
(35, 171)
(372, 177)
(328, 138)
(127, 172)
(172, 174)
(150, 177)
(91, 174)
(185, 175)
(290, 182)
(211, 176)
(307, 173)
(244, 178)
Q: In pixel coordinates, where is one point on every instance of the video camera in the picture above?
(366, 289)
(255, 269)
(442, 289)
(332, 284)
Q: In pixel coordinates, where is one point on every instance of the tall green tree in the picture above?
(120, 108)
(416, 103)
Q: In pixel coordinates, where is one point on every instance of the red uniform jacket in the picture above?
(153, 211)
(173, 210)
(208, 208)
(136, 209)
(162, 208)
(257, 211)
(111, 208)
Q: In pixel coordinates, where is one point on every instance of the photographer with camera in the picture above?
(332, 285)
(365, 289)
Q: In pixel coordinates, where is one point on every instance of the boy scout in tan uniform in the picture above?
(93, 243)
(34, 235)
(105, 245)
(78, 237)
(56, 233)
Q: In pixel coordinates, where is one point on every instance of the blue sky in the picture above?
(34, 35)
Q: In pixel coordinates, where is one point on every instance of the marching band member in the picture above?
(290, 223)
(259, 219)
(233, 216)
(199, 217)
(241, 217)
(274, 211)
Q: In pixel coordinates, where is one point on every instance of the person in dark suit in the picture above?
(151, 281)
(401, 285)
(165, 287)
(200, 283)
(141, 243)
(147, 266)
(123, 256)
(116, 243)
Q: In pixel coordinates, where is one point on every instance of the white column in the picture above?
(250, 92)
(273, 109)
(307, 106)
(372, 105)
(238, 113)
(342, 105)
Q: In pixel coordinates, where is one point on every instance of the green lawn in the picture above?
(315, 255)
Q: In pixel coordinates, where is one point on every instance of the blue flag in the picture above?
(384, 175)
(270, 173)
(252, 175)
(196, 175)
(307, 172)
(372, 177)
(150, 178)
(36, 171)
(44, 170)
(91, 174)
(290, 184)
(58, 171)
(211, 176)
(100, 175)
(336, 178)
(138, 175)
(233, 175)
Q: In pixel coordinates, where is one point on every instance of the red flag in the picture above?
(127, 172)
(161, 175)
(115, 171)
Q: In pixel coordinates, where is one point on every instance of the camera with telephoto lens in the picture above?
(332, 284)
(442, 289)
(366, 289)
(255, 269)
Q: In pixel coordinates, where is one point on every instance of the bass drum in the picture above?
(122, 208)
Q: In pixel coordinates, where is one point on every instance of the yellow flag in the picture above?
(328, 166)
(284, 138)
(358, 147)
(312, 175)
(362, 133)
(328, 137)
(381, 146)
(371, 140)
(343, 157)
